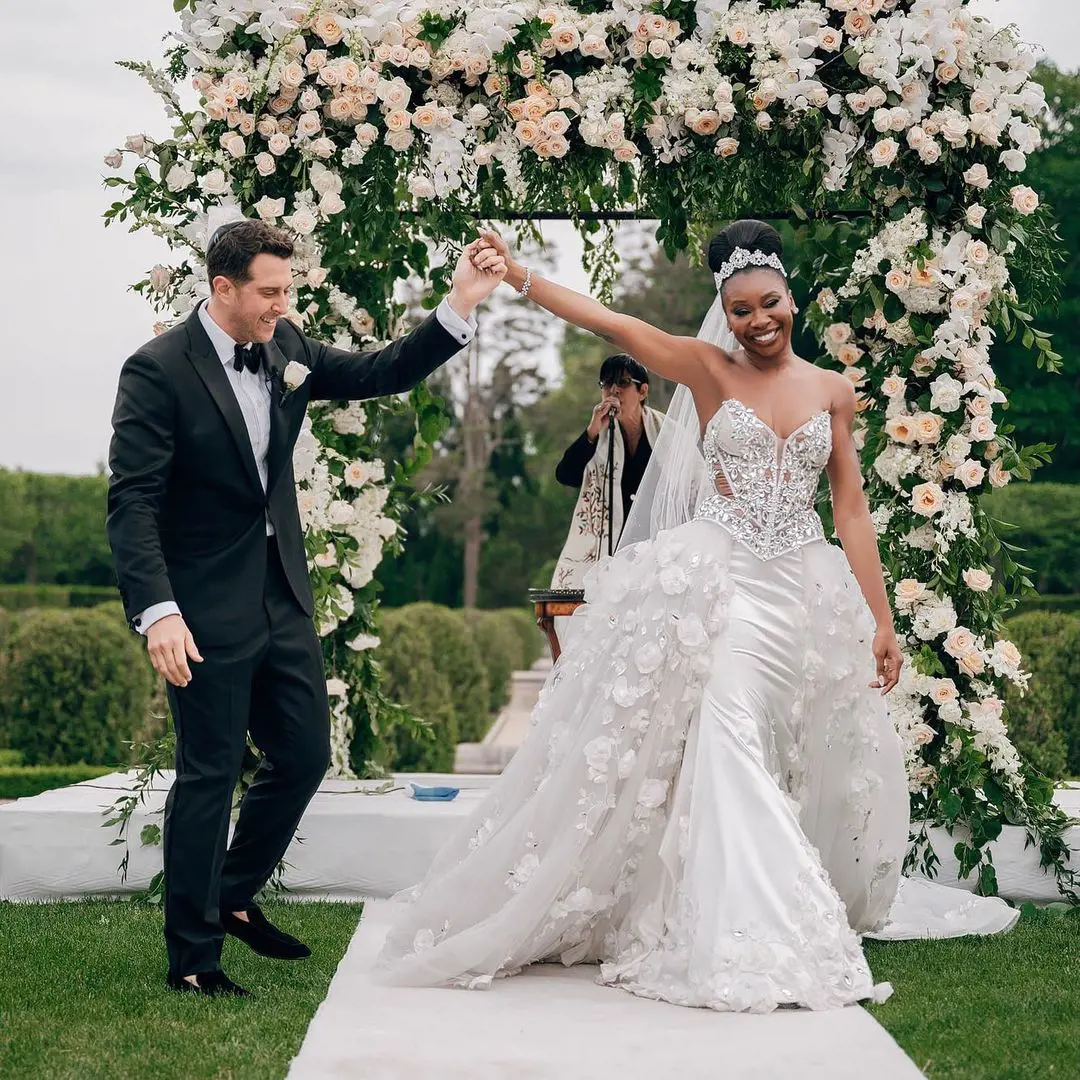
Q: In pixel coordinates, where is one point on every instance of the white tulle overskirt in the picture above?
(711, 804)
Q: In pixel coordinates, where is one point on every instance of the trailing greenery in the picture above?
(23, 781)
(76, 687)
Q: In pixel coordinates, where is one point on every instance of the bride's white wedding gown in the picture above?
(712, 801)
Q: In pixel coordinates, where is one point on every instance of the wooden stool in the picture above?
(550, 603)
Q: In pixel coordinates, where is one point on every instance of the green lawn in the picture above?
(994, 1008)
(82, 996)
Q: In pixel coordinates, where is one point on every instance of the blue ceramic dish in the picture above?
(434, 794)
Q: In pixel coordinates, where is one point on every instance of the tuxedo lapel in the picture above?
(279, 416)
(208, 366)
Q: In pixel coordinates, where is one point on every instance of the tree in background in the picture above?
(1045, 406)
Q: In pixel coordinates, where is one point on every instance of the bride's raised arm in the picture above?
(681, 359)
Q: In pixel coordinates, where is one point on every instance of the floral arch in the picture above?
(376, 130)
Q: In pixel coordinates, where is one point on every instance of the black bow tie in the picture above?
(250, 357)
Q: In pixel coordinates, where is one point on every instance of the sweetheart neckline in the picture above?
(780, 439)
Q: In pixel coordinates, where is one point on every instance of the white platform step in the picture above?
(354, 843)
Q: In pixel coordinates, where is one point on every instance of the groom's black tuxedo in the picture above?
(186, 505)
(188, 519)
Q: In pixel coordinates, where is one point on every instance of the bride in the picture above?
(711, 803)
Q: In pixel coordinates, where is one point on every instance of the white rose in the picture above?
(983, 429)
(278, 143)
(975, 214)
(234, 145)
(214, 182)
(977, 176)
(958, 641)
(977, 580)
(884, 152)
(977, 253)
(929, 152)
(1024, 199)
(421, 187)
(1013, 160)
(302, 220)
(270, 209)
(970, 473)
(114, 159)
(294, 375)
(179, 177)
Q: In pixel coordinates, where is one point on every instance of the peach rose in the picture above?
(893, 386)
(527, 132)
(566, 37)
(900, 429)
(927, 427)
(424, 117)
(397, 120)
(884, 152)
(927, 499)
(999, 476)
(943, 691)
(278, 143)
(727, 147)
(897, 280)
(977, 580)
(971, 663)
(910, 592)
(857, 23)
(958, 641)
(980, 406)
(983, 429)
(848, 354)
(626, 151)
(327, 28)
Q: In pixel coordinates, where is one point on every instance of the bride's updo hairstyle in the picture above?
(745, 245)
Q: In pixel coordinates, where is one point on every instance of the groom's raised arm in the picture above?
(140, 459)
(399, 366)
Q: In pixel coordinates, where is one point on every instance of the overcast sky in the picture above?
(63, 283)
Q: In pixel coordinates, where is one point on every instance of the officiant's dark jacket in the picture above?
(186, 508)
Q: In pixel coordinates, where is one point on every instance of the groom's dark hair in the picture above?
(235, 244)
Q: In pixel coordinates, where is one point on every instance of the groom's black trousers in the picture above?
(272, 685)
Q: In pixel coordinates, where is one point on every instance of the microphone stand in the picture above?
(611, 484)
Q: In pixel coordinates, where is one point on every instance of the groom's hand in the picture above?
(170, 645)
(476, 277)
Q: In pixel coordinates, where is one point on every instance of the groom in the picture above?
(209, 553)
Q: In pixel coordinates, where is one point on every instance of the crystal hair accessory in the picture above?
(741, 258)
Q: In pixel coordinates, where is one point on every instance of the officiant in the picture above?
(606, 463)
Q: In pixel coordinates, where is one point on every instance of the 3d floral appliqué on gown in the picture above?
(711, 803)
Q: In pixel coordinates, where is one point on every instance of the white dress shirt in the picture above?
(252, 392)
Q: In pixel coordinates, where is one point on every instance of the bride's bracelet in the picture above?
(527, 283)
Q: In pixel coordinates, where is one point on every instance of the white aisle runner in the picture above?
(555, 1023)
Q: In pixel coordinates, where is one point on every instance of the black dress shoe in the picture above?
(209, 984)
(263, 937)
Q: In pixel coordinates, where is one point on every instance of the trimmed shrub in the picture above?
(8, 758)
(412, 679)
(458, 658)
(76, 688)
(533, 642)
(1045, 722)
(21, 782)
(1067, 602)
(497, 640)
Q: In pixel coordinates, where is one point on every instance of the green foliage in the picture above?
(412, 678)
(21, 597)
(1045, 722)
(1044, 522)
(498, 639)
(531, 639)
(76, 688)
(10, 757)
(52, 529)
(458, 657)
(24, 781)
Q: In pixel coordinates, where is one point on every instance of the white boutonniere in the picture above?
(293, 377)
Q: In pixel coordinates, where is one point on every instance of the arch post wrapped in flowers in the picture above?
(376, 130)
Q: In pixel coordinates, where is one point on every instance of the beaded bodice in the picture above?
(765, 485)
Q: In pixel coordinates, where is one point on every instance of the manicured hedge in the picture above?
(1045, 721)
(457, 656)
(531, 639)
(1067, 602)
(23, 781)
(413, 679)
(76, 687)
(23, 597)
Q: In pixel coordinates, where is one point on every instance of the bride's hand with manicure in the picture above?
(888, 657)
